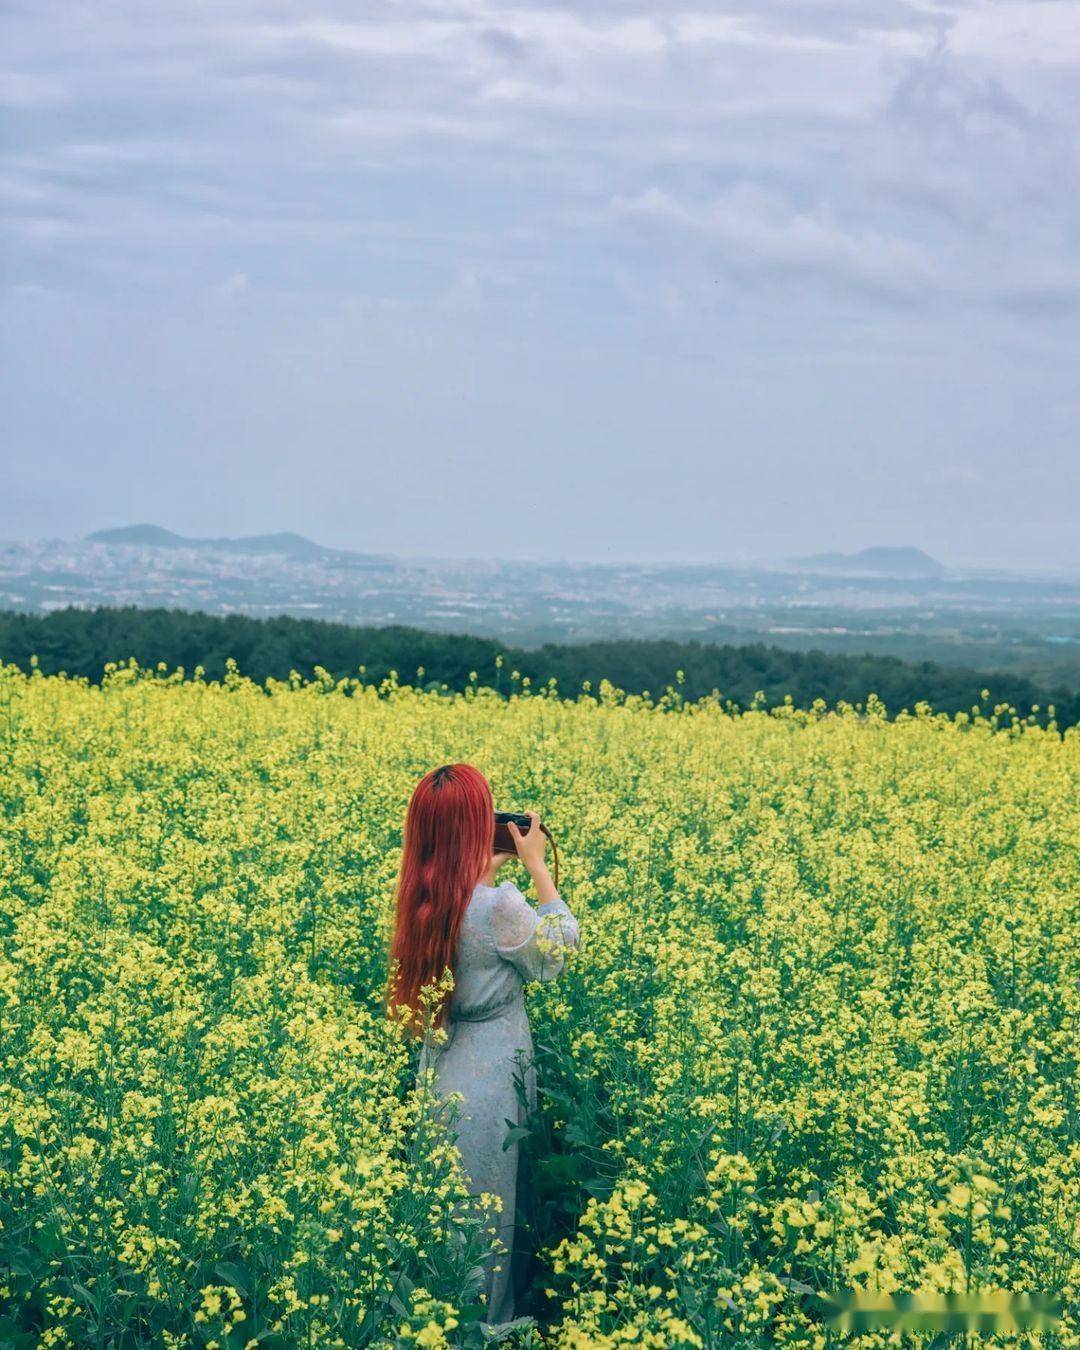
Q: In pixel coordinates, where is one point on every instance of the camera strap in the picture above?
(554, 853)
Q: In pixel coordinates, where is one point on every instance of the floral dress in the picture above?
(487, 1056)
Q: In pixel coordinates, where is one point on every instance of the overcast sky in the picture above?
(584, 280)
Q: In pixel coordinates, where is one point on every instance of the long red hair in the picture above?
(449, 839)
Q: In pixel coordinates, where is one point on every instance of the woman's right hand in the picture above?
(531, 847)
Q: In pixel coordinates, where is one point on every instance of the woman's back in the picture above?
(486, 1051)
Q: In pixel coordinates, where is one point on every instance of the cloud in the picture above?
(27, 89)
(234, 285)
(752, 236)
(937, 97)
(890, 150)
(829, 237)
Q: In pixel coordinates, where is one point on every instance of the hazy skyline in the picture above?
(586, 281)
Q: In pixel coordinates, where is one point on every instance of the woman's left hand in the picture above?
(499, 858)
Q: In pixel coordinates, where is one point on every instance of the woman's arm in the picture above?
(531, 849)
(535, 941)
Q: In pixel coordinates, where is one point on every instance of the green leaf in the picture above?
(580, 1131)
(230, 1273)
(562, 1166)
(48, 1241)
(492, 1335)
(11, 1338)
(28, 1263)
(563, 1098)
(514, 1135)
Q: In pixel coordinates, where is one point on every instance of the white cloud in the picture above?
(29, 89)
(753, 236)
(234, 285)
(893, 147)
(813, 234)
(1013, 32)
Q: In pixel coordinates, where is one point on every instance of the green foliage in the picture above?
(819, 1036)
(82, 642)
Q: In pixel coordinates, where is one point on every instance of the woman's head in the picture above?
(449, 836)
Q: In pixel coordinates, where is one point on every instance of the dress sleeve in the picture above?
(534, 941)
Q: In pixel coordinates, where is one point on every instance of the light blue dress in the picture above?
(504, 942)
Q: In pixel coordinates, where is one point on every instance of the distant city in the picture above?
(885, 600)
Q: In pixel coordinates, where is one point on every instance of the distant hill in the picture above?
(154, 536)
(292, 545)
(889, 562)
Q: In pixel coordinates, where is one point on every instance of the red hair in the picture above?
(449, 840)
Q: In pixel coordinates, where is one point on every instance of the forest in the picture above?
(81, 642)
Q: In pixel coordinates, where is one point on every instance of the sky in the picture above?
(594, 280)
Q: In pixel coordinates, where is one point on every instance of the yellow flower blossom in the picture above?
(820, 1033)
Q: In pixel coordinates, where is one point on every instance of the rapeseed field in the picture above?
(820, 1035)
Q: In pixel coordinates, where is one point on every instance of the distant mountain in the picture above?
(292, 545)
(151, 536)
(889, 562)
(154, 536)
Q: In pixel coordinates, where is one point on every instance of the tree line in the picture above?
(82, 641)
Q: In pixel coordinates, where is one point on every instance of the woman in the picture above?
(451, 914)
